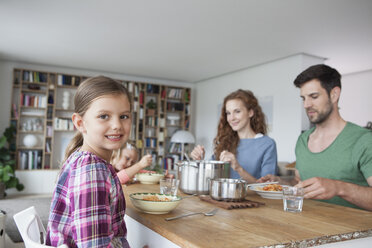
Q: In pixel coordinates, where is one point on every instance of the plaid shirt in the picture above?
(88, 205)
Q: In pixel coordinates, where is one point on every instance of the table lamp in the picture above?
(183, 137)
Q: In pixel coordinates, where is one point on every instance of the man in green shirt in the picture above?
(334, 158)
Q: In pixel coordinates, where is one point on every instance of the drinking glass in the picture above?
(169, 186)
(293, 199)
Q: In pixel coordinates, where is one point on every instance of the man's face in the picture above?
(317, 102)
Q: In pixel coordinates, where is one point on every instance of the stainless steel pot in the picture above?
(195, 175)
(226, 189)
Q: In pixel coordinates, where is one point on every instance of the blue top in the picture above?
(257, 156)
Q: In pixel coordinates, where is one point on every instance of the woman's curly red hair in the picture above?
(228, 139)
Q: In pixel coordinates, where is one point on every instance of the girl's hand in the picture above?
(198, 153)
(226, 156)
(145, 161)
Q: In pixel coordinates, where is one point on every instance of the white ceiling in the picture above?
(184, 40)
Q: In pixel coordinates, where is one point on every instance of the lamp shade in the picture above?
(182, 136)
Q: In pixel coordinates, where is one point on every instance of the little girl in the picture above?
(124, 161)
(88, 204)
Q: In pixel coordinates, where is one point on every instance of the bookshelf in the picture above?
(42, 105)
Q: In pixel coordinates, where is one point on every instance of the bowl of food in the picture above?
(269, 191)
(149, 177)
(154, 203)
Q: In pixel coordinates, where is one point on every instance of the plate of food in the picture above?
(154, 203)
(269, 191)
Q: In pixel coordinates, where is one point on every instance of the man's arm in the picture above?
(323, 188)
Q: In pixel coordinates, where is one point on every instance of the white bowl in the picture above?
(154, 207)
(149, 178)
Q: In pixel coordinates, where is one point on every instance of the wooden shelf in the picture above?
(169, 100)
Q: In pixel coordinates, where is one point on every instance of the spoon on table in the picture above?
(210, 213)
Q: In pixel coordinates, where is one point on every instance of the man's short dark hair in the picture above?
(328, 77)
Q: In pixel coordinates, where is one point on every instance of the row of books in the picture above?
(63, 124)
(34, 76)
(175, 147)
(68, 80)
(175, 93)
(30, 160)
(151, 88)
(31, 100)
(151, 121)
(175, 106)
(150, 142)
(170, 161)
(133, 88)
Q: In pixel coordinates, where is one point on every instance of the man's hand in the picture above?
(319, 188)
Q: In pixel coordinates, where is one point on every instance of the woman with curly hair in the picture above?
(241, 138)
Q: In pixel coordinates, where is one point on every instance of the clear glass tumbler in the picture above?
(169, 186)
(293, 199)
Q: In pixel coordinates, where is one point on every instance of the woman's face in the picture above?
(237, 115)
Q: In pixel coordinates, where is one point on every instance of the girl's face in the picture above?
(105, 125)
(127, 158)
(237, 115)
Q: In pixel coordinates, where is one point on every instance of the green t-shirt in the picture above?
(348, 158)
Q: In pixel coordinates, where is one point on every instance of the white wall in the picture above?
(271, 79)
(356, 97)
(31, 179)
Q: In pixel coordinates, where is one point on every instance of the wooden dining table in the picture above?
(265, 226)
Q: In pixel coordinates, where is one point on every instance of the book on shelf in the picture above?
(63, 124)
(68, 80)
(162, 122)
(141, 98)
(175, 93)
(152, 88)
(30, 160)
(135, 106)
(47, 146)
(31, 100)
(139, 144)
(14, 111)
(130, 87)
(163, 94)
(187, 123)
(175, 106)
(136, 91)
(170, 161)
(160, 150)
(150, 143)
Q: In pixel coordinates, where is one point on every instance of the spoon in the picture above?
(210, 213)
(187, 157)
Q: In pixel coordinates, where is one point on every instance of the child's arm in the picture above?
(126, 174)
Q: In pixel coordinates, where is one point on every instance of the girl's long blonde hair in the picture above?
(228, 139)
(86, 93)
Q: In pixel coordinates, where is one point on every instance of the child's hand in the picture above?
(145, 161)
